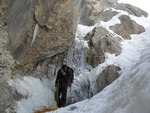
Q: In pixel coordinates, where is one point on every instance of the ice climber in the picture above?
(63, 81)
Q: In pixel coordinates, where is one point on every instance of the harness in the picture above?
(64, 72)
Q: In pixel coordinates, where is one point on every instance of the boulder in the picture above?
(127, 27)
(107, 76)
(101, 41)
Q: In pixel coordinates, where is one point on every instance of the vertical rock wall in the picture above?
(57, 22)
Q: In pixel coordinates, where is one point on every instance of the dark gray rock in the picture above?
(107, 76)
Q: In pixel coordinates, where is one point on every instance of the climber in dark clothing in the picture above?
(64, 80)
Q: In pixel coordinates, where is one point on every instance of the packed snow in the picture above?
(35, 92)
(128, 94)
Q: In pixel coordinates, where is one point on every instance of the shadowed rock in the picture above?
(107, 77)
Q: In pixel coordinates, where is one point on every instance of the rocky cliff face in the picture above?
(94, 11)
(6, 63)
(57, 21)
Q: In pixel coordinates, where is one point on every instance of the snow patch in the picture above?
(35, 93)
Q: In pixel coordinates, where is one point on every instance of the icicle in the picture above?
(35, 33)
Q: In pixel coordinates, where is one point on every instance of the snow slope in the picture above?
(128, 94)
(36, 93)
